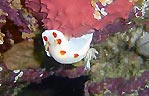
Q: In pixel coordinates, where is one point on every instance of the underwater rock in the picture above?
(21, 56)
(119, 25)
(135, 34)
(143, 44)
(119, 69)
(115, 60)
(71, 73)
(13, 79)
(119, 86)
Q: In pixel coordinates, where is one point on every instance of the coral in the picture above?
(11, 13)
(2, 18)
(12, 33)
(13, 25)
(1, 38)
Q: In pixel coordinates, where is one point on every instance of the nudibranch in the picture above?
(68, 50)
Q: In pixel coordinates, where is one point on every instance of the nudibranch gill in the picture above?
(68, 50)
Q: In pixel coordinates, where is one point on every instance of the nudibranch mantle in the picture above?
(68, 51)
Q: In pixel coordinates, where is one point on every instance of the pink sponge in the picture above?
(75, 17)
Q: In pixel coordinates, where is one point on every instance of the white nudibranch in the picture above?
(68, 51)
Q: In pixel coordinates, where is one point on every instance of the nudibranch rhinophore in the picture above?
(68, 50)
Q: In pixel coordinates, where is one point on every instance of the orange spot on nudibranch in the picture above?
(58, 41)
(54, 34)
(62, 52)
(76, 55)
(45, 38)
